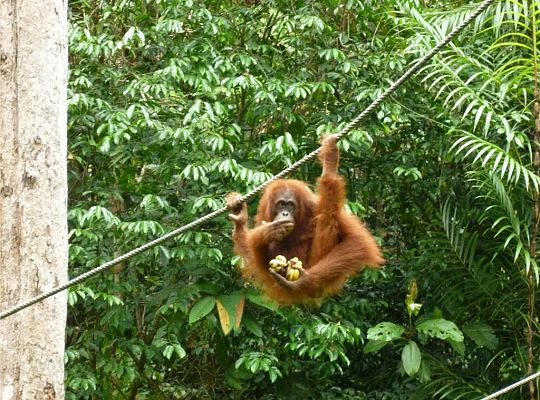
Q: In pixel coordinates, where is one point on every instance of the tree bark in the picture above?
(33, 195)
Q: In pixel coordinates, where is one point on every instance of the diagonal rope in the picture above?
(512, 386)
(249, 196)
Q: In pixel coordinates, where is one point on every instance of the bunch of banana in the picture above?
(279, 265)
(288, 269)
(293, 269)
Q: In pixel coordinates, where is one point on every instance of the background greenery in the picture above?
(174, 103)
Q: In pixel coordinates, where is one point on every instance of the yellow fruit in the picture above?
(295, 263)
(278, 263)
(293, 274)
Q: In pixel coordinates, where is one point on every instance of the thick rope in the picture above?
(512, 386)
(249, 196)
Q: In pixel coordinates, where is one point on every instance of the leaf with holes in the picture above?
(385, 332)
(440, 329)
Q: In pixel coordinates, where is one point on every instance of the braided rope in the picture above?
(377, 102)
(512, 386)
(108, 264)
(249, 196)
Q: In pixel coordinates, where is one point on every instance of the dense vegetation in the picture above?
(174, 103)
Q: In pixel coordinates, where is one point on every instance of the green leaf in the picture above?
(274, 373)
(168, 352)
(373, 346)
(252, 325)
(441, 329)
(459, 347)
(424, 374)
(411, 358)
(482, 334)
(179, 350)
(385, 331)
(174, 348)
(262, 301)
(208, 287)
(202, 308)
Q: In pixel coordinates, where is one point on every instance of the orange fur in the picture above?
(331, 243)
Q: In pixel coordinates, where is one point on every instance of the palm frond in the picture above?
(463, 243)
(466, 81)
(508, 223)
(518, 31)
(492, 157)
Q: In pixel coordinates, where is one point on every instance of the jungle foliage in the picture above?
(174, 103)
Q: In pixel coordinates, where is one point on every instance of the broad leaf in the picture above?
(441, 329)
(385, 331)
(174, 348)
(411, 358)
(252, 325)
(459, 347)
(230, 308)
(239, 311)
(262, 301)
(202, 308)
(424, 374)
(373, 346)
(224, 317)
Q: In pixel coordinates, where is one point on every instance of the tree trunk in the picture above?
(33, 194)
(531, 279)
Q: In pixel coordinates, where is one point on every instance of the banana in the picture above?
(278, 263)
(293, 274)
(295, 263)
(289, 269)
